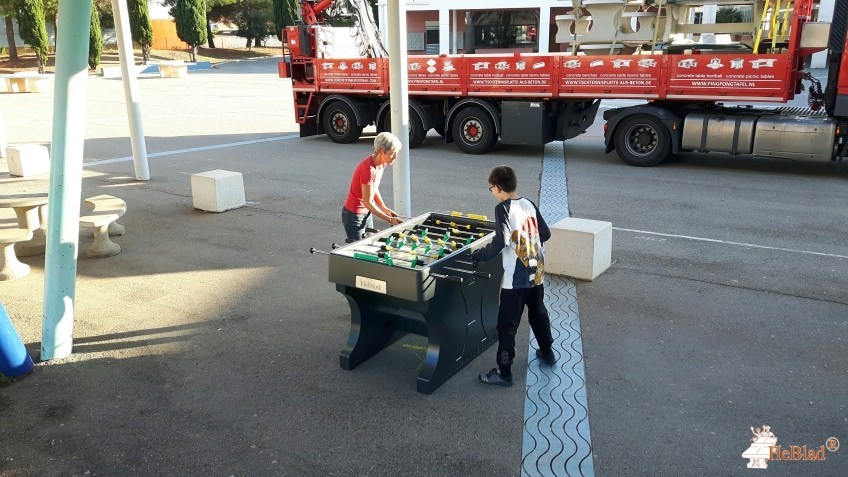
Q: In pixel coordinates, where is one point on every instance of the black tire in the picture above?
(340, 123)
(642, 141)
(417, 134)
(474, 130)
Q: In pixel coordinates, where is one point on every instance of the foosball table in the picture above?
(418, 277)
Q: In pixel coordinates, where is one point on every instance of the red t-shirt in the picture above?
(365, 173)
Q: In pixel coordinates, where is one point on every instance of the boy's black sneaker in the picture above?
(548, 358)
(494, 377)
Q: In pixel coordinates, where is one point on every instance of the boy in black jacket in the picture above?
(520, 232)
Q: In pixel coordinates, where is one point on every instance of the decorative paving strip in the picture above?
(556, 439)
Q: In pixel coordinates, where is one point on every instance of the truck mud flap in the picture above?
(577, 117)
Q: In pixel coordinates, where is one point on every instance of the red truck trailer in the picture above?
(475, 100)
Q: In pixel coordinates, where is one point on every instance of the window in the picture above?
(505, 29)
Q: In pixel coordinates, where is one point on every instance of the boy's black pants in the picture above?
(509, 316)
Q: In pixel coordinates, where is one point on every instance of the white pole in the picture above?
(131, 96)
(70, 92)
(453, 43)
(543, 32)
(399, 102)
(444, 31)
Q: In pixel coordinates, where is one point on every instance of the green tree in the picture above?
(219, 8)
(7, 9)
(254, 20)
(51, 14)
(142, 29)
(285, 14)
(95, 39)
(107, 19)
(728, 15)
(30, 15)
(191, 24)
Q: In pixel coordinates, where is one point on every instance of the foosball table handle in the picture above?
(470, 272)
(447, 277)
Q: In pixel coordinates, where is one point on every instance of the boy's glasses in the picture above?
(491, 187)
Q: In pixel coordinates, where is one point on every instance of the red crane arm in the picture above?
(310, 11)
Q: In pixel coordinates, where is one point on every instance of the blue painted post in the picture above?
(69, 101)
(14, 359)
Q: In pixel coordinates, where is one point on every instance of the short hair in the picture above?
(504, 177)
(386, 141)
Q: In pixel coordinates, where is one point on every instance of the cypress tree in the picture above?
(95, 40)
(285, 14)
(191, 24)
(142, 29)
(31, 28)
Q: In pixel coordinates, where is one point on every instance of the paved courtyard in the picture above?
(210, 345)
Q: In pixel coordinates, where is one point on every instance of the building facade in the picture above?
(496, 26)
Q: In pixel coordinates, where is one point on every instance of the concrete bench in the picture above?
(117, 72)
(10, 266)
(173, 69)
(579, 248)
(217, 190)
(107, 210)
(108, 204)
(27, 82)
(24, 160)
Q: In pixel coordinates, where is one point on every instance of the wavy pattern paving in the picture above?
(556, 440)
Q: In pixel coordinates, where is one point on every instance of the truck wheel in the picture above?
(340, 123)
(474, 131)
(417, 134)
(642, 141)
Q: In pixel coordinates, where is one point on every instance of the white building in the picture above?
(493, 26)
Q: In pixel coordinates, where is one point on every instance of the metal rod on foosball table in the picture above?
(468, 237)
(476, 273)
(479, 232)
(446, 247)
(423, 251)
(473, 228)
(412, 241)
(384, 255)
(387, 248)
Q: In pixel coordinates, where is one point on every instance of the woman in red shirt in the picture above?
(363, 198)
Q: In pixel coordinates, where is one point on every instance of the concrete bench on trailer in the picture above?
(10, 266)
(103, 220)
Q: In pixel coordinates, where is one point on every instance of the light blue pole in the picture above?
(69, 101)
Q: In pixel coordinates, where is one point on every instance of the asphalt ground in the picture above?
(210, 345)
(690, 342)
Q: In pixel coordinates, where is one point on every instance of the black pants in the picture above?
(509, 316)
